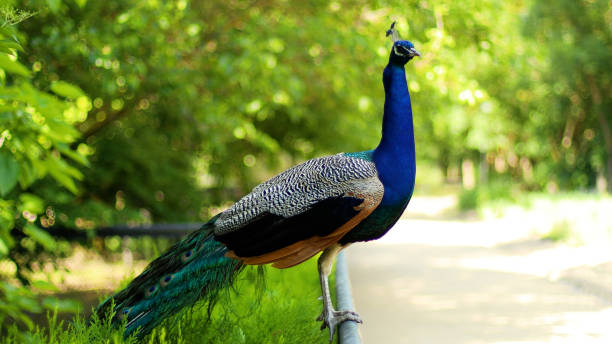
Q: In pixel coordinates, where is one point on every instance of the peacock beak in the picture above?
(414, 52)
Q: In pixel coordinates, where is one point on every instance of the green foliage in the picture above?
(152, 111)
(497, 191)
(282, 312)
(194, 103)
(576, 110)
(169, 104)
(79, 331)
(468, 200)
(560, 231)
(9, 172)
(35, 131)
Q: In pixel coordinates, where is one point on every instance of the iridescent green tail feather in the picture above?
(193, 269)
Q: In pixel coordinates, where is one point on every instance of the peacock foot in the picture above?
(332, 318)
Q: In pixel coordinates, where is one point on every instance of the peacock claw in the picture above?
(332, 318)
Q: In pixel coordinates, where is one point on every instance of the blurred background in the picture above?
(139, 112)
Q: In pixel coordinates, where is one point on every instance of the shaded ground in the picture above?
(88, 278)
(461, 281)
(89, 299)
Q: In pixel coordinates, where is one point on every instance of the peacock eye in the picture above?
(187, 255)
(151, 291)
(165, 280)
(124, 312)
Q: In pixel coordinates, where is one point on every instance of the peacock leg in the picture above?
(331, 317)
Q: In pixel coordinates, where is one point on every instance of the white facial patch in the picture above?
(396, 51)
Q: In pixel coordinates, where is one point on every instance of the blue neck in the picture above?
(394, 156)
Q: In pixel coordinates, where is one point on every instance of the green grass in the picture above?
(494, 193)
(561, 231)
(282, 312)
(574, 218)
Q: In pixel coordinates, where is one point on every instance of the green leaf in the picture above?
(40, 236)
(73, 172)
(68, 305)
(4, 49)
(8, 32)
(13, 66)
(74, 155)
(3, 248)
(54, 5)
(67, 90)
(6, 224)
(26, 319)
(31, 203)
(39, 168)
(27, 175)
(58, 171)
(60, 131)
(27, 302)
(44, 285)
(81, 3)
(10, 44)
(9, 172)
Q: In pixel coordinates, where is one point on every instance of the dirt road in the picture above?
(462, 282)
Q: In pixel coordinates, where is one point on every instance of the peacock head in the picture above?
(402, 51)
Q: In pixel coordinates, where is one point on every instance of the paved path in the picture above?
(469, 283)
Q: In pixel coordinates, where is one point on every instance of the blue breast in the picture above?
(395, 155)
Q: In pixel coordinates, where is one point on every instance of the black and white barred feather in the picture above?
(297, 189)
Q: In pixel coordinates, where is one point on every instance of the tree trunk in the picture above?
(607, 133)
(605, 129)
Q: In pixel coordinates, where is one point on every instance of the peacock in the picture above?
(322, 205)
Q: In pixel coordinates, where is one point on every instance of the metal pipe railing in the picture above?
(175, 230)
(348, 331)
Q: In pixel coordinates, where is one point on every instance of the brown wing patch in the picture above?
(302, 250)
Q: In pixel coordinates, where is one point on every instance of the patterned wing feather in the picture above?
(300, 212)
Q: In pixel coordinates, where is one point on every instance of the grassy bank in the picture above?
(280, 310)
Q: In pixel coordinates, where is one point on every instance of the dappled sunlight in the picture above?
(586, 216)
(549, 262)
(489, 279)
(583, 327)
(576, 218)
(432, 206)
(116, 114)
(421, 292)
(86, 270)
(454, 232)
(573, 328)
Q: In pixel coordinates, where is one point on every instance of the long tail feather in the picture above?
(193, 269)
